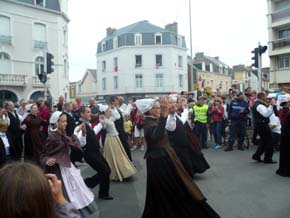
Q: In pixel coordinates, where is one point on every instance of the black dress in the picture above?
(171, 193)
(284, 162)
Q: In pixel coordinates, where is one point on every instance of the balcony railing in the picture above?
(281, 43)
(280, 15)
(39, 44)
(13, 80)
(36, 82)
(5, 40)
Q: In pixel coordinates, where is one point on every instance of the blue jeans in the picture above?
(217, 132)
(201, 132)
(239, 125)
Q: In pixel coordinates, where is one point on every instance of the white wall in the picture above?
(127, 71)
(22, 52)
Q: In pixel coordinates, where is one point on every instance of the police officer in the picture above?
(262, 113)
(237, 113)
(200, 119)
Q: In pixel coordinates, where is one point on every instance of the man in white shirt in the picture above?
(262, 112)
(275, 126)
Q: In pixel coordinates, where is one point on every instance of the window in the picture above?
(284, 62)
(138, 39)
(158, 60)
(180, 62)
(284, 34)
(39, 2)
(138, 61)
(179, 41)
(207, 68)
(227, 86)
(104, 84)
(104, 46)
(5, 63)
(159, 80)
(115, 42)
(180, 81)
(103, 66)
(115, 82)
(39, 65)
(39, 32)
(5, 26)
(65, 35)
(158, 39)
(139, 81)
(115, 63)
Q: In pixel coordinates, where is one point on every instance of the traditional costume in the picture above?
(171, 192)
(58, 147)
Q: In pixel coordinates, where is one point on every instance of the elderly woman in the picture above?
(56, 159)
(171, 193)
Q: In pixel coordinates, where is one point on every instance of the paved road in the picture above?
(235, 186)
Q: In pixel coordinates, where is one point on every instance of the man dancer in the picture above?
(261, 115)
(92, 154)
(15, 130)
(119, 123)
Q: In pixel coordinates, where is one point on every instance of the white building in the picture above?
(141, 60)
(29, 28)
(279, 42)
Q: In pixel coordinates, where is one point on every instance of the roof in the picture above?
(49, 4)
(215, 61)
(93, 72)
(139, 27)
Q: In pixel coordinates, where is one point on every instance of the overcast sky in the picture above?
(229, 29)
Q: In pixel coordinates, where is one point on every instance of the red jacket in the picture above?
(217, 113)
(44, 114)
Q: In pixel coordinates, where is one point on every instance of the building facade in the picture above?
(279, 42)
(141, 60)
(28, 29)
(211, 72)
(86, 88)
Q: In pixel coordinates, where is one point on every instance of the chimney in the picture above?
(217, 58)
(110, 31)
(172, 27)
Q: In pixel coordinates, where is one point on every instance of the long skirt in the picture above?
(83, 198)
(167, 195)
(115, 155)
(284, 161)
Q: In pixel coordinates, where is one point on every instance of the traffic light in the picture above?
(256, 57)
(262, 49)
(49, 63)
(42, 77)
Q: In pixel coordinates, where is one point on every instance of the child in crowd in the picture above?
(128, 126)
(6, 148)
(275, 126)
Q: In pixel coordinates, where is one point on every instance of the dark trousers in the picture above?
(18, 146)
(240, 126)
(201, 132)
(96, 160)
(265, 145)
(124, 139)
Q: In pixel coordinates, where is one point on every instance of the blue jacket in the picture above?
(234, 110)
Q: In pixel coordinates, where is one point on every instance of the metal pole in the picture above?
(259, 68)
(191, 64)
(45, 74)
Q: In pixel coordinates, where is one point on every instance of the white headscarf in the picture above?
(145, 105)
(103, 107)
(55, 117)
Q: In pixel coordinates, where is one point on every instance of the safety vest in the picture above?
(200, 113)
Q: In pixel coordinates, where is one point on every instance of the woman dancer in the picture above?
(114, 152)
(56, 159)
(32, 138)
(171, 193)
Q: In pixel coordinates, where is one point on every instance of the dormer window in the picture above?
(39, 2)
(179, 41)
(158, 39)
(115, 42)
(138, 39)
(104, 46)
